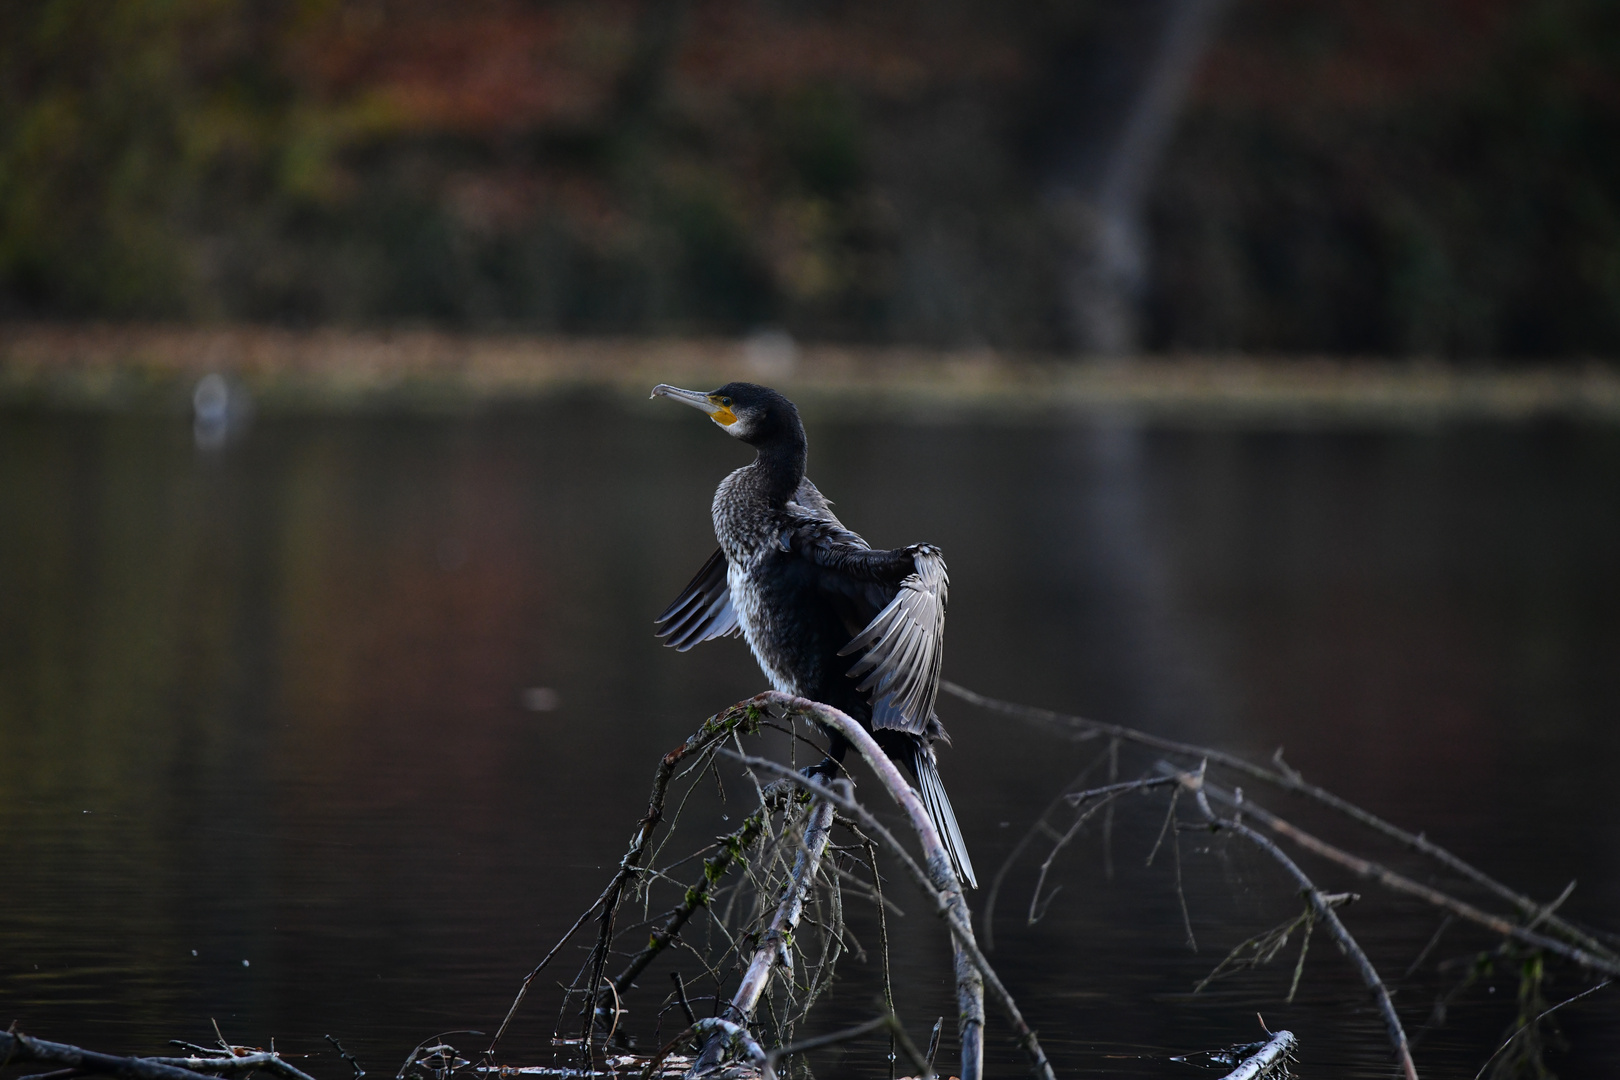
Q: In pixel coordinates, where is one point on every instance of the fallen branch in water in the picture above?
(1325, 914)
(1400, 883)
(792, 874)
(1270, 1061)
(76, 1061)
(1288, 779)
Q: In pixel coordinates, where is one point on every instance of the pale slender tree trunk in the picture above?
(1098, 188)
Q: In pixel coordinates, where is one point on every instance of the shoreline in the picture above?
(153, 368)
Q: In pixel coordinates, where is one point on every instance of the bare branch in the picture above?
(960, 930)
(1400, 883)
(732, 847)
(1324, 914)
(713, 730)
(17, 1047)
(1289, 780)
(775, 942)
(1271, 1060)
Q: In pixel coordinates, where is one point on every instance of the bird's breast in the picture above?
(767, 624)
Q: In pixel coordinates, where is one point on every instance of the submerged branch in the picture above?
(1271, 1060)
(17, 1047)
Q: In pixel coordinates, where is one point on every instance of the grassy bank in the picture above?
(154, 368)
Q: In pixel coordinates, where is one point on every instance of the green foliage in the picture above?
(332, 160)
(112, 119)
(1462, 214)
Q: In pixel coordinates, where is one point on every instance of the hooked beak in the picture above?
(695, 398)
(720, 414)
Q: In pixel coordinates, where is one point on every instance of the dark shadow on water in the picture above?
(335, 729)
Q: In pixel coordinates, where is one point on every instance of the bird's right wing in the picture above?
(903, 646)
(703, 611)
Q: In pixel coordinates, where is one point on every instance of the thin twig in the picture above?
(992, 894)
(1538, 1019)
(680, 998)
(898, 1033)
(732, 848)
(606, 905)
(343, 1054)
(1181, 893)
(887, 1022)
(1445, 922)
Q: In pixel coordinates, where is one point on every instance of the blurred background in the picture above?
(1396, 177)
(333, 515)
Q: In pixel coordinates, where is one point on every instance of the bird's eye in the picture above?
(726, 402)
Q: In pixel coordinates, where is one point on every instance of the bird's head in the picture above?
(755, 414)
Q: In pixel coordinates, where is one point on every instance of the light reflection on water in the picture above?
(268, 704)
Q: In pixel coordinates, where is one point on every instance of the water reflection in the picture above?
(371, 704)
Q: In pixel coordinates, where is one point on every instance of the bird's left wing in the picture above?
(703, 611)
(902, 648)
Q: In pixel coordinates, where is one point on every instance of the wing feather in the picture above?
(703, 611)
(903, 646)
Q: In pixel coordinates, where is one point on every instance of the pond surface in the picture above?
(268, 754)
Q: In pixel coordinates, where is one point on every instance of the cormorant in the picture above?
(827, 616)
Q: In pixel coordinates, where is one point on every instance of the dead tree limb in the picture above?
(728, 1035)
(775, 942)
(1271, 1060)
(1289, 780)
(1366, 868)
(962, 932)
(17, 1047)
(606, 906)
(1325, 914)
(969, 979)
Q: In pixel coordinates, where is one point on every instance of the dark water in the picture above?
(264, 756)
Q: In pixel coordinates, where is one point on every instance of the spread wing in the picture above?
(703, 611)
(901, 649)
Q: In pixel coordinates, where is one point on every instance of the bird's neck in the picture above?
(780, 467)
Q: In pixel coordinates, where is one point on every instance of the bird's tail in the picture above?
(938, 805)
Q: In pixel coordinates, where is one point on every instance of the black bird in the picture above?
(828, 617)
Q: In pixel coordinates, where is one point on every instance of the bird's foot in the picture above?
(780, 792)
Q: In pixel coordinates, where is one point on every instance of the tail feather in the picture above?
(938, 805)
